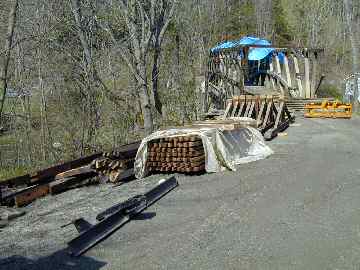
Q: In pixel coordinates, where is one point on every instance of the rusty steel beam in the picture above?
(115, 217)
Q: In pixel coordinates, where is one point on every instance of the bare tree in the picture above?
(8, 46)
(145, 21)
(165, 14)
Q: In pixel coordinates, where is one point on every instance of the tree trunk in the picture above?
(145, 100)
(8, 45)
(155, 80)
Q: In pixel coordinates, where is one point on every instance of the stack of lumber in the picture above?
(112, 168)
(116, 165)
(23, 190)
(184, 154)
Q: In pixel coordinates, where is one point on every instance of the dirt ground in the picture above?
(298, 209)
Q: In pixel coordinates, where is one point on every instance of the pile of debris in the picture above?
(117, 165)
(97, 168)
(183, 154)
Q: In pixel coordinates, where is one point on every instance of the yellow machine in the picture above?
(328, 109)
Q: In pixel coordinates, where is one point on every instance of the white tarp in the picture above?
(223, 148)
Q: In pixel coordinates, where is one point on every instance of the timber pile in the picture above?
(23, 190)
(270, 112)
(184, 154)
(116, 165)
(112, 168)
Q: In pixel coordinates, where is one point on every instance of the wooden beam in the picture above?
(287, 71)
(297, 75)
(314, 77)
(75, 172)
(31, 195)
(278, 71)
(65, 184)
(307, 78)
(271, 78)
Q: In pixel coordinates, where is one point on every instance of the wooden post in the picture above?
(307, 78)
(287, 71)
(314, 77)
(278, 71)
(298, 80)
(271, 79)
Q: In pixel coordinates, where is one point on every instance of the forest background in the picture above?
(80, 76)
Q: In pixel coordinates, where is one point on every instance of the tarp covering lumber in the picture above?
(223, 148)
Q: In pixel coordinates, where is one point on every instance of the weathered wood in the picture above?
(278, 72)
(65, 184)
(271, 79)
(298, 79)
(235, 105)
(307, 78)
(287, 71)
(31, 195)
(314, 77)
(53, 171)
(86, 170)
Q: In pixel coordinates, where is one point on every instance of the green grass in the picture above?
(7, 139)
(6, 173)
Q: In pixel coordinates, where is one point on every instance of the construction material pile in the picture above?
(116, 165)
(270, 112)
(183, 154)
(112, 167)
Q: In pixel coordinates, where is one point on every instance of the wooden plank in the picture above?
(268, 110)
(53, 171)
(75, 172)
(314, 77)
(228, 108)
(124, 175)
(236, 104)
(251, 109)
(280, 113)
(287, 71)
(242, 104)
(307, 78)
(261, 111)
(31, 195)
(271, 78)
(64, 184)
(278, 71)
(248, 106)
(298, 79)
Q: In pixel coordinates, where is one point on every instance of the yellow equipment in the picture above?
(328, 109)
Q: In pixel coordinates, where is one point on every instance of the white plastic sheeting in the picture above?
(223, 148)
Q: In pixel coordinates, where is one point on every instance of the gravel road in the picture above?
(298, 209)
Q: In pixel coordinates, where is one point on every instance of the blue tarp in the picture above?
(255, 54)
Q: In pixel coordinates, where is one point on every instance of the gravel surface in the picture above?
(298, 209)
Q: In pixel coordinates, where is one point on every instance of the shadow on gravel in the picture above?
(59, 260)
